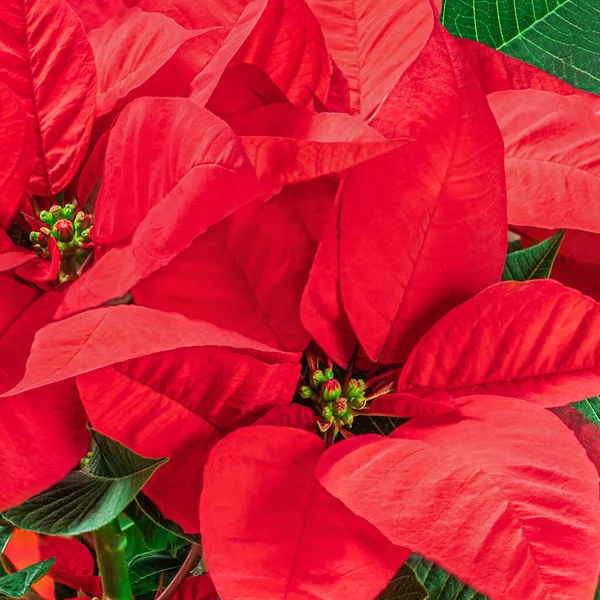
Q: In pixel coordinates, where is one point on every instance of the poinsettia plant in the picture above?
(299, 300)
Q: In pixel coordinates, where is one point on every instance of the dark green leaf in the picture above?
(404, 586)
(533, 263)
(89, 498)
(590, 408)
(440, 584)
(144, 507)
(561, 37)
(17, 584)
(5, 533)
(135, 540)
(145, 570)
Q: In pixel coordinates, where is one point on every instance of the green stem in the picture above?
(110, 554)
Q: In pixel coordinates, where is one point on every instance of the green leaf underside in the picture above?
(145, 571)
(533, 263)
(589, 408)
(561, 37)
(17, 584)
(440, 584)
(404, 586)
(5, 534)
(89, 498)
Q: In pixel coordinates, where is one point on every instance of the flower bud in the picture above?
(354, 388)
(305, 392)
(45, 231)
(317, 378)
(358, 403)
(347, 419)
(69, 211)
(339, 407)
(326, 412)
(63, 230)
(57, 213)
(83, 221)
(331, 390)
(46, 218)
(328, 373)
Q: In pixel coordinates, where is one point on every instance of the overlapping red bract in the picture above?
(311, 169)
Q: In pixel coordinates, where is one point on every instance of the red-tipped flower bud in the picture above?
(339, 407)
(331, 390)
(83, 221)
(354, 388)
(63, 230)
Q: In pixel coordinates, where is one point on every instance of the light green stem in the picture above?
(110, 553)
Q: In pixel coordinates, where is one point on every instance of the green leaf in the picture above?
(135, 540)
(440, 584)
(533, 263)
(590, 408)
(404, 586)
(145, 570)
(89, 498)
(561, 37)
(154, 525)
(17, 584)
(5, 535)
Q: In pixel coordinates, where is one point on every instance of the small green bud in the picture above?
(34, 237)
(83, 221)
(354, 388)
(331, 390)
(328, 373)
(339, 407)
(358, 403)
(317, 378)
(69, 211)
(57, 213)
(46, 218)
(306, 392)
(327, 412)
(347, 419)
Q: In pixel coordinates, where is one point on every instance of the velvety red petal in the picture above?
(505, 499)
(293, 540)
(535, 340)
(47, 61)
(552, 168)
(373, 42)
(400, 213)
(196, 397)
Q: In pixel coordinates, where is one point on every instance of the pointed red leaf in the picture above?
(94, 13)
(198, 395)
(17, 152)
(171, 171)
(196, 588)
(47, 61)
(373, 42)
(397, 273)
(249, 270)
(42, 433)
(40, 270)
(321, 308)
(552, 168)
(406, 405)
(287, 144)
(504, 498)
(129, 49)
(15, 298)
(290, 415)
(288, 45)
(293, 540)
(535, 340)
(99, 338)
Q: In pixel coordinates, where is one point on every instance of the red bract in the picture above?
(17, 148)
(168, 387)
(552, 169)
(42, 432)
(293, 540)
(486, 486)
(47, 61)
